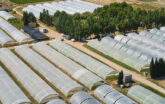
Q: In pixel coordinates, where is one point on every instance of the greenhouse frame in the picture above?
(10, 93)
(83, 98)
(144, 96)
(36, 87)
(90, 63)
(111, 96)
(59, 79)
(78, 72)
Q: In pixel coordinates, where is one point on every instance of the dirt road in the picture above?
(80, 46)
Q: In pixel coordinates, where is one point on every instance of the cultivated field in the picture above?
(147, 4)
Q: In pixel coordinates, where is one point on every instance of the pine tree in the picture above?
(120, 78)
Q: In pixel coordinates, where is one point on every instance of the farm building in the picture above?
(34, 33)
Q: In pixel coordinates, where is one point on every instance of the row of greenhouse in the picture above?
(10, 35)
(51, 73)
(133, 49)
(69, 6)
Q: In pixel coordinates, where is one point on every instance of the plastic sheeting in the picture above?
(13, 32)
(10, 93)
(60, 80)
(5, 39)
(126, 54)
(70, 7)
(83, 98)
(37, 88)
(110, 96)
(6, 15)
(56, 101)
(78, 72)
(90, 63)
(145, 96)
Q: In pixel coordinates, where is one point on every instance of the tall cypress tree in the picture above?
(152, 68)
(120, 78)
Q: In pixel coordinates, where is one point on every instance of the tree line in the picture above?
(107, 19)
(157, 68)
(28, 18)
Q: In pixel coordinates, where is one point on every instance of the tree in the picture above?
(152, 68)
(28, 17)
(120, 78)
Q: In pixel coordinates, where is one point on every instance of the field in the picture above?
(27, 1)
(146, 4)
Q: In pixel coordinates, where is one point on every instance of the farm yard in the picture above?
(48, 55)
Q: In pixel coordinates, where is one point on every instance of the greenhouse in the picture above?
(83, 98)
(5, 40)
(10, 93)
(150, 50)
(33, 9)
(13, 31)
(6, 15)
(144, 96)
(70, 7)
(90, 63)
(36, 87)
(56, 101)
(110, 96)
(78, 72)
(147, 40)
(59, 79)
(123, 54)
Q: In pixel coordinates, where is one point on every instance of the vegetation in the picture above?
(27, 1)
(28, 18)
(157, 68)
(108, 19)
(120, 78)
(17, 23)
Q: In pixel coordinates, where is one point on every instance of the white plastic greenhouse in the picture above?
(90, 63)
(151, 50)
(110, 96)
(124, 53)
(13, 32)
(78, 72)
(145, 96)
(56, 101)
(10, 93)
(70, 7)
(60, 80)
(83, 98)
(5, 40)
(6, 15)
(146, 40)
(36, 87)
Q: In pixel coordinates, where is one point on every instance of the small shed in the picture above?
(34, 33)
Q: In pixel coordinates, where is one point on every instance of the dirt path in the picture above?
(80, 46)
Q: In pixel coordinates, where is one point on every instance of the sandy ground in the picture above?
(78, 45)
